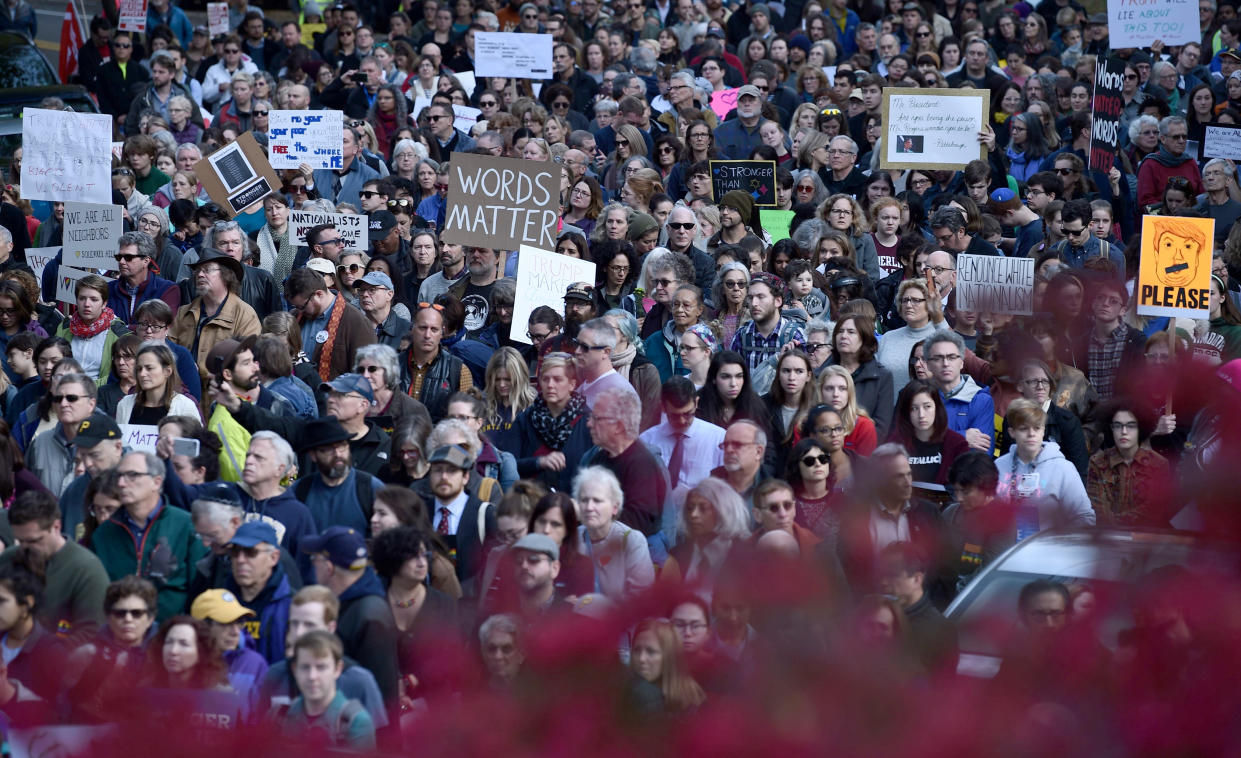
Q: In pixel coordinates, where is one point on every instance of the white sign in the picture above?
(1138, 23)
(1222, 141)
(465, 117)
(66, 156)
(139, 437)
(513, 55)
(38, 258)
(67, 280)
(542, 278)
(91, 232)
(351, 226)
(217, 18)
(133, 16)
(995, 284)
(468, 82)
(313, 137)
(933, 128)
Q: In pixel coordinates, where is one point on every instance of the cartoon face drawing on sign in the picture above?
(1178, 250)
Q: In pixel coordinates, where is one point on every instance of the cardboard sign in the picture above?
(513, 55)
(464, 117)
(1220, 141)
(351, 226)
(933, 128)
(237, 175)
(724, 101)
(1109, 77)
(217, 19)
(312, 137)
(133, 16)
(755, 178)
(1137, 23)
(139, 437)
(67, 280)
(1174, 276)
(995, 284)
(90, 236)
(542, 278)
(502, 203)
(66, 156)
(37, 259)
(776, 223)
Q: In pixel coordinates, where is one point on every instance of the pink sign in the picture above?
(724, 101)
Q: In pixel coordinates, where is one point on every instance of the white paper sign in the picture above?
(468, 82)
(352, 227)
(38, 258)
(513, 54)
(1222, 141)
(995, 284)
(217, 18)
(139, 437)
(133, 16)
(1138, 23)
(542, 278)
(91, 232)
(67, 281)
(465, 117)
(933, 128)
(313, 137)
(66, 156)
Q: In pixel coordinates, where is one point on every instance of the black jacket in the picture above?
(116, 90)
(584, 89)
(927, 532)
(368, 631)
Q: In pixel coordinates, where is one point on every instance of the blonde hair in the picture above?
(1022, 412)
(851, 411)
(933, 309)
(679, 688)
(522, 394)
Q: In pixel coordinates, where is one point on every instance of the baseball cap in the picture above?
(342, 545)
(580, 291)
(322, 265)
(351, 383)
(223, 351)
(96, 429)
(454, 455)
(200, 30)
(539, 543)
(1231, 55)
(1097, 19)
(220, 606)
(381, 224)
(255, 533)
(376, 279)
(750, 90)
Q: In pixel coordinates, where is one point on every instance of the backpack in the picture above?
(338, 730)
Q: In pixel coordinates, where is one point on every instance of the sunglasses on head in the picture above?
(401, 202)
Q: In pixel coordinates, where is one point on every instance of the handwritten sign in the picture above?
(133, 16)
(464, 117)
(995, 284)
(1109, 77)
(352, 226)
(66, 156)
(502, 203)
(776, 223)
(1221, 141)
(934, 129)
(513, 54)
(723, 102)
(1174, 275)
(91, 232)
(313, 137)
(542, 278)
(755, 178)
(217, 19)
(139, 437)
(38, 258)
(67, 280)
(1137, 23)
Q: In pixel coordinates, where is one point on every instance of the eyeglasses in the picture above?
(684, 226)
(835, 151)
(814, 347)
(943, 358)
(664, 282)
(333, 241)
(690, 626)
(810, 460)
(829, 431)
(146, 326)
(805, 190)
(1124, 426)
(127, 475)
(700, 135)
(841, 211)
(1037, 382)
(8, 311)
(937, 270)
(128, 613)
(58, 399)
(578, 344)
(912, 300)
(296, 189)
(727, 445)
(537, 338)
(1177, 136)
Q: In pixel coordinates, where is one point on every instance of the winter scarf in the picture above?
(554, 431)
(83, 330)
(622, 360)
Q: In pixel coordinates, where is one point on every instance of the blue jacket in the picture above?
(267, 628)
(845, 37)
(663, 354)
(175, 19)
(294, 390)
(246, 670)
(124, 306)
(971, 407)
(736, 142)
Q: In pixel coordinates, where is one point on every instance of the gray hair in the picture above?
(606, 106)
(1228, 169)
(189, 147)
(685, 76)
(601, 475)
(89, 388)
(220, 227)
(948, 217)
(1162, 67)
(141, 240)
(425, 161)
(214, 511)
(504, 290)
(284, 451)
(760, 436)
(849, 140)
(383, 356)
(662, 259)
(179, 100)
(731, 515)
(505, 623)
(627, 407)
(943, 335)
(472, 443)
(407, 145)
(627, 325)
(5, 235)
(154, 464)
(889, 450)
(1170, 121)
(602, 329)
(820, 189)
(810, 232)
(819, 325)
(1136, 125)
(642, 59)
(717, 287)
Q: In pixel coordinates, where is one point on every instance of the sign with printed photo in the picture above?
(933, 128)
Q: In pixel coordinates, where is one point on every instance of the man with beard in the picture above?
(336, 493)
(736, 208)
(332, 329)
(474, 290)
(737, 138)
(767, 331)
(455, 511)
(233, 363)
(579, 307)
(452, 270)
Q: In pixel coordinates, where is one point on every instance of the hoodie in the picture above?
(368, 631)
(971, 407)
(1048, 493)
(271, 614)
(246, 670)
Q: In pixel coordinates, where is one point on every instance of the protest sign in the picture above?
(542, 278)
(90, 235)
(351, 226)
(723, 102)
(933, 129)
(756, 178)
(217, 19)
(139, 437)
(1137, 23)
(238, 175)
(1174, 275)
(513, 55)
(465, 117)
(312, 137)
(776, 223)
(37, 259)
(468, 82)
(502, 203)
(1220, 141)
(1109, 77)
(995, 284)
(133, 16)
(67, 280)
(66, 156)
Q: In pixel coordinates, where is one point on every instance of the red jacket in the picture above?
(1153, 178)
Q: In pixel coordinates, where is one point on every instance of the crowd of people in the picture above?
(365, 463)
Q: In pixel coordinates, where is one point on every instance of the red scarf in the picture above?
(80, 328)
(325, 355)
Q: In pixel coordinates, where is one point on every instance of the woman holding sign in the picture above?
(158, 394)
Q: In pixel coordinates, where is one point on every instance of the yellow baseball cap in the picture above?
(220, 606)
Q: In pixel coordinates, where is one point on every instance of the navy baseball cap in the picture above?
(342, 545)
(347, 383)
(253, 534)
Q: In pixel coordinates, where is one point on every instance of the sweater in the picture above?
(72, 603)
(894, 349)
(622, 562)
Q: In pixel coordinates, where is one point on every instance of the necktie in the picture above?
(443, 527)
(677, 460)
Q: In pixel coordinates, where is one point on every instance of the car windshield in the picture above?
(24, 66)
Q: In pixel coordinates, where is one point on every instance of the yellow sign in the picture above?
(1174, 278)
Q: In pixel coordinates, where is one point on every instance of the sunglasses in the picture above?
(403, 202)
(622, 143)
(125, 45)
(682, 225)
(352, 268)
(356, 124)
(130, 613)
(296, 189)
(261, 113)
(127, 258)
(434, 119)
(1065, 171)
(368, 194)
(58, 399)
(811, 460)
(432, 306)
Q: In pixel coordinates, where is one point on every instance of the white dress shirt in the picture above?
(455, 509)
(702, 449)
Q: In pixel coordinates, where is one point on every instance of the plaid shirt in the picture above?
(1103, 360)
(756, 348)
